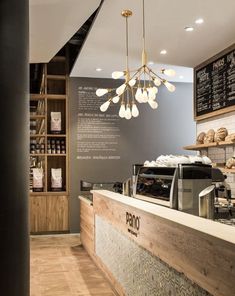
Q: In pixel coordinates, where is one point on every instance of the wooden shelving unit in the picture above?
(205, 146)
(211, 145)
(49, 209)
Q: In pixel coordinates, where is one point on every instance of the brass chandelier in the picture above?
(141, 85)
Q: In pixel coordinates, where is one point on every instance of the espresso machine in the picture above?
(223, 204)
(174, 187)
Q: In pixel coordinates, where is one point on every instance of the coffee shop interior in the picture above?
(118, 147)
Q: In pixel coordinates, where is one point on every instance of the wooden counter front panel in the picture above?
(206, 260)
(87, 226)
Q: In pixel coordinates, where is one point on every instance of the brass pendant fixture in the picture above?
(140, 85)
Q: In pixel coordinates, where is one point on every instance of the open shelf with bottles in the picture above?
(48, 124)
(49, 149)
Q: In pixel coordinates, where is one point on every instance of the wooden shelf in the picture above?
(223, 143)
(56, 154)
(56, 97)
(36, 97)
(229, 171)
(56, 77)
(37, 135)
(200, 146)
(49, 193)
(56, 136)
(49, 210)
(204, 146)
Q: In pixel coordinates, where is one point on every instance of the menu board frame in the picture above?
(209, 63)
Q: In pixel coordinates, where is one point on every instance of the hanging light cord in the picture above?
(143, 26)
(127, 49)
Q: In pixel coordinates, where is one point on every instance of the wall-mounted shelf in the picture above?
(228, 171)
(204, 146)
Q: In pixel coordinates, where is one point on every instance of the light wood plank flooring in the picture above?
(60, 266)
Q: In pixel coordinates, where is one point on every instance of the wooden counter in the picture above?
(194, 251)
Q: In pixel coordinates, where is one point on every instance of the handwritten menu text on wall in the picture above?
(215, 85)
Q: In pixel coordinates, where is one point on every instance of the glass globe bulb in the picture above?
(120, 89)
(169, 72)
(128, 112)
(151, 93)
(117, 74)
(115, 99)
(104, 106)
(145, 96)
(132, 82)
(134, 110)
(155, 89)
(138, 95)
(169, 86)
(122, 111)
(153, 104)
(157, 81)
(101, 91)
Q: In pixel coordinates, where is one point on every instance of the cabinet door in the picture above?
(57, 213)
(38, 221)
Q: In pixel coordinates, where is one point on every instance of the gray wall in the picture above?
(162, 131)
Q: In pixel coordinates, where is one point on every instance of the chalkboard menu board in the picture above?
(214, 91)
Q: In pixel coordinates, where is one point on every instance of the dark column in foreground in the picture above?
(14, 121)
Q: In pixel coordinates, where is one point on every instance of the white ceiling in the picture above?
(53, 23)
(165, 22)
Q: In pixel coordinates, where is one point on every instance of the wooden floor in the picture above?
(61, 267)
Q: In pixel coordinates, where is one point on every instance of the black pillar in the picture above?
(14, 147)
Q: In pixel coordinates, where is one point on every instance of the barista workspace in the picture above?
(118, 165)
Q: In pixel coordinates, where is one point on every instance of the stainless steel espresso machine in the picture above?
(174, 187)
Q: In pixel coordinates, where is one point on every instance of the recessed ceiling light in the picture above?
(98, 69)
(189, 29)
(181, 77)
(163, 51)
(199, 21)
(151, 63)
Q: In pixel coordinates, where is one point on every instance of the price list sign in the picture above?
(214, 91)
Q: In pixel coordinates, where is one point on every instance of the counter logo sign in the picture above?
(133, 223)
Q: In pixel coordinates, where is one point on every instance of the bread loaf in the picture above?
(230, 137)
(209, 138)
(230, 162)
(200, 138)
(220, 134)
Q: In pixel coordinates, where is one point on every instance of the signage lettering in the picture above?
(133, 222)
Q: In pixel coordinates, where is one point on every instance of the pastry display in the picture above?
(220, 134)
(209, 138)
(230, 138)
(174, 160)
(200, 138)
(230, 162)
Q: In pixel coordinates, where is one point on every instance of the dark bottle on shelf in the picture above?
(57, 149)
(53, 150)
(37, 148)
(42, 148)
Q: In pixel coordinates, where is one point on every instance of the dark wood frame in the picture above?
(202, 65)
